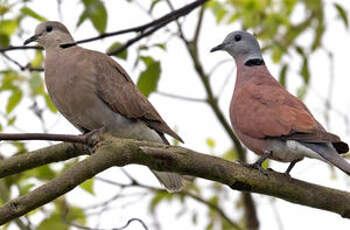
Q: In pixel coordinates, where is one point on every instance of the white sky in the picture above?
(195, 122)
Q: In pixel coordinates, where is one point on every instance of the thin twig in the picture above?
(22, 67)
(44, 136)
(135, 183)
(152, 26)
(155, 25)
(10, 48)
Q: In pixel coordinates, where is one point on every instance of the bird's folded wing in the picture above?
(118, 91)
(270, 111)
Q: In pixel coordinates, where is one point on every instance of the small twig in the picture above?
(83, 139)
(10, 48)
(186, 193)
(156, 24)
(135, 39)
(121, 228)
(22, 67)
(132, 220)
(182, 35)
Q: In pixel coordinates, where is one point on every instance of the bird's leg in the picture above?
(257, 164)
(290, 167)
(93, 137)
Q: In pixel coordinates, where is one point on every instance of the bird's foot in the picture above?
(287, 175)
(258, 163)
(93, 137)
(258, 166)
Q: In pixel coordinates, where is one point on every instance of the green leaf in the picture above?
(160, 196)
(42, 173)
(82, 18)
(4, 9)
(210, 142)
(76, 214)
(7, 27)
(4, 40)
(305, 71)
(38, 59)
(36, 84)
(148, 80)
(230, 155)
(54, 222)
(283, 75)
(14, 100)
(11, 121)
(96, 12)
(210, 225)
(25, 189)
(88, 186)
(265, 164)
(318, 36)
(153, 4)
(218, 10)
(21, 148)
(49, 103)
(342, 13)
(301, 92)
(29, 12)
(116, 45)
(277, 53)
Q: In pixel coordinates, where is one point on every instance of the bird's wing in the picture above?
(118, 91)
(268, 111)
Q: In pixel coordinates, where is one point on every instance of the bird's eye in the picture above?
(238, 37)
(48, 28)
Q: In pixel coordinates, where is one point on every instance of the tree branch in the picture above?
(55, 153)
(145, 29)
(120, 152)
(83, 139)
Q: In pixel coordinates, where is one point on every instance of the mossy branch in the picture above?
(112, 151)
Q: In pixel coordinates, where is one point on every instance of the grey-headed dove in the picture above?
(268, 119)
(93, 91)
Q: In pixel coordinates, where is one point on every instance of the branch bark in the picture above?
(55, 153)
(120, 152)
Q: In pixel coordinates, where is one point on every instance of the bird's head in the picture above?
(50, 34)
(240, 45)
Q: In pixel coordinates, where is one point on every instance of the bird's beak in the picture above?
(219, 47)
(32, 39)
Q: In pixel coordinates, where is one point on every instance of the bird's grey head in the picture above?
(50, 34)
(241, 46)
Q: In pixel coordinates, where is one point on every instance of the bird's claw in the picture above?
(93, 137)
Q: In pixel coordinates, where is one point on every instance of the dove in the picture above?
(92, 91)
(269, 120)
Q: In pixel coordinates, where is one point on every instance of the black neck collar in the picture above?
(254, 62)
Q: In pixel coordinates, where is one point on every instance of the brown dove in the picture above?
(268, 119)
(93, 91)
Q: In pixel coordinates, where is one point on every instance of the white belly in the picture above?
(291, 150)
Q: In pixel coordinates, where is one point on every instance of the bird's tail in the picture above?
(330, 154)
(173, 182)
